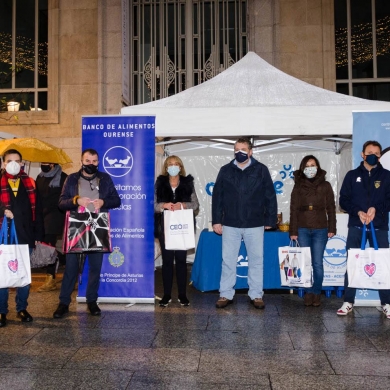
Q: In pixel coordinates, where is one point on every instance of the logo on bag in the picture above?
(335, 254)
(180, 226)
(370, 269)
(116, 258)
(13, 265)
(117, 161)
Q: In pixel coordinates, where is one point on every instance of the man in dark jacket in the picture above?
(365, 196)
(243, 203)
(92, 190)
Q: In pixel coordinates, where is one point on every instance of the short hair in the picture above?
(12, 151)
(373, 143)
(174, 159)
(244, 140)
(304, 161)
(90, 151)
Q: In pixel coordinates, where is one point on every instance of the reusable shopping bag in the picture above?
(369, 267)
(179, 231)
(43, 255)
(87, 232)
(15, 268)
(297, 270)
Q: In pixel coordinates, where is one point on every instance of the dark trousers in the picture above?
(71, 272)
(51, 239)
(180, 258)
(354, 241)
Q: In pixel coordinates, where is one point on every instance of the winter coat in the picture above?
(362, 189)
(312, 203)
(244, 198)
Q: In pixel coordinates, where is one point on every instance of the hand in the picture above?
(83, 201)
(330, 235)
(97, 203)
(294, 238)
(363, 216)
(267, 227)
(177, 206)
(217, 228)
(8, 214)
(370, 215)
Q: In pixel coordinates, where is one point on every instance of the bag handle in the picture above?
(4, 232)
(364, 237)
(296, 243)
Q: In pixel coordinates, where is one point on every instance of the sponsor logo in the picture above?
(116, 258)
(118, 161)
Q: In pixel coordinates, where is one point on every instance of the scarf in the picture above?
(55, 173)
(29, 185)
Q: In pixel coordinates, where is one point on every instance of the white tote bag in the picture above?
(295, 266)
(179, 229)
(15, 268)
(369, 267)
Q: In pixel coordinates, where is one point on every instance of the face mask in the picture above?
(310, 172)
(45, 168)
(372, 159)
(13, 168)
(241, 156)
(173, 170)
(90, 169)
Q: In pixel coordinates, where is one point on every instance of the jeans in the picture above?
(316, 240)
(71, 272)
(354, 239)
(231, 242)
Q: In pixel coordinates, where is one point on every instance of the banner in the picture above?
(126, 152)
(373, 126)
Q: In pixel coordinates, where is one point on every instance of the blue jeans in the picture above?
(354, 239)
(231, 242)
(316, 240)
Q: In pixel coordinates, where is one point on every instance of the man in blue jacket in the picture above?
(365, 196)
(243, 204)
(92, 190)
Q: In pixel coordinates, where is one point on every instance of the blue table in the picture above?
(207, 267)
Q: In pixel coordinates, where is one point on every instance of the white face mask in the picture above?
(12, 168)
(310, 172)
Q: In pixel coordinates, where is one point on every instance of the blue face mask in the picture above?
(173, 170)
(372, 159)
(241, 156)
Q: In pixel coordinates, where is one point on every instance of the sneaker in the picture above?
(386, 310)
(164, 302)
(308, 299)
(345, 309)
(258, 303)
(223, 302)
(183, 300)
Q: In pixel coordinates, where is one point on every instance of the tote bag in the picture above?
(87, 232)
(369, 267)
(179, 232)
(43, 255)
(297, 270)
(15, 268)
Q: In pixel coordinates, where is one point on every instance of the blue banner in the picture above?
(125, 145)
(370, 126)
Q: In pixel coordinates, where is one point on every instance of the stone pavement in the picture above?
(285, 346)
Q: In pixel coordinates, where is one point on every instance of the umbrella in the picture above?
(35, 150)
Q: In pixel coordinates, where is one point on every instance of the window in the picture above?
(177, 44)
(362, 36)
(24, 54)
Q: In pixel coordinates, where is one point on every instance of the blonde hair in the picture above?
(173, 159)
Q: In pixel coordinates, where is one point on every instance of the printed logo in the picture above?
(209, 188)
(377, 184)
(242, 266)
(118, 161)
(116, 258)
(335, 252)
(358, 180)
(370, 269)
(13, 265)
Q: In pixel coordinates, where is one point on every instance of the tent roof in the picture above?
(254, 98)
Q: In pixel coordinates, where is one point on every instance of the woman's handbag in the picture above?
(179, 231)
(43, 255)
(369, 267)
(300, 260)
(15, 268)
(87, 232)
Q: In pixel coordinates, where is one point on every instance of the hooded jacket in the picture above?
(362, 189)
(312, 203)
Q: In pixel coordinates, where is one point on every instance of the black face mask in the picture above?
(90, 169)
(45, 168)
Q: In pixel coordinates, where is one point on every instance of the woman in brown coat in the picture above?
(312, 219)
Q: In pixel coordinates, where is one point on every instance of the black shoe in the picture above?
(25, 316)
(94, 309)
(3, 320)
(183, 300)
(164, 302)
(62, 309)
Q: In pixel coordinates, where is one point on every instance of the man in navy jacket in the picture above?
(243, 203)
(365, 196)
